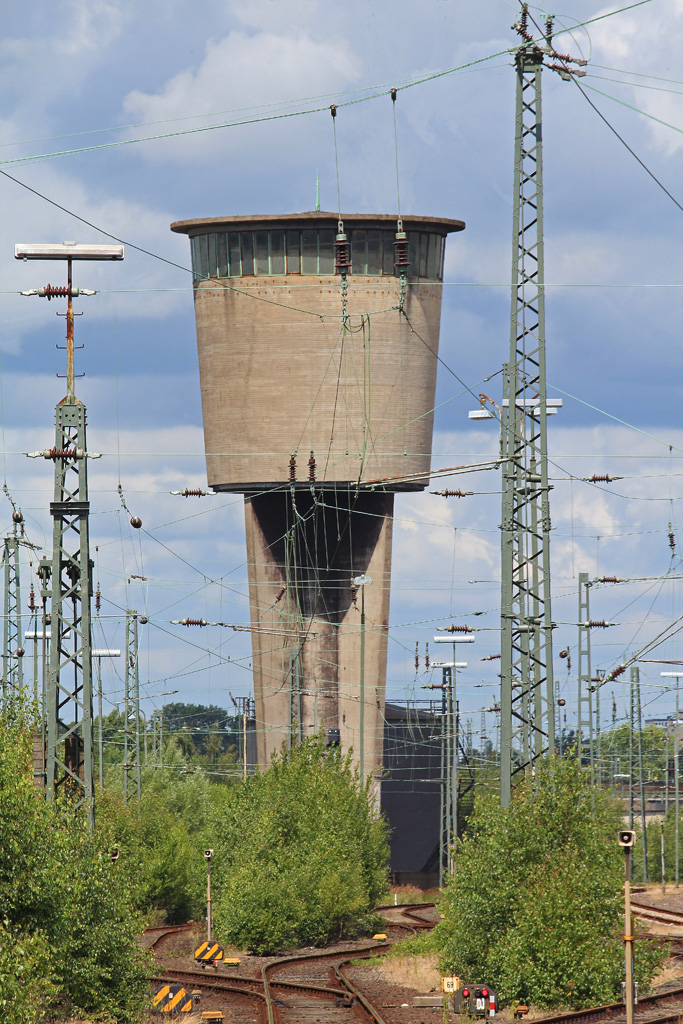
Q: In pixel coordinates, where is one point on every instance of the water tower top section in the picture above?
(303, 244)
(308, 378)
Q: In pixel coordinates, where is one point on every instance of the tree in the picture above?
(300, 853)
(534, 905)
(197, 722)
(68, 914)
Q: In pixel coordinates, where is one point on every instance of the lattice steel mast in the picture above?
(12, 649)
(527, 699)
(69, 760)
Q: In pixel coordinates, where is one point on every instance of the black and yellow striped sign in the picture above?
(209, 951)
(171, 999)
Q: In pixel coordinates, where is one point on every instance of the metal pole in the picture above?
(661, 852)
(666, 778)
(208, 899)
(362, 685)
(527, 705)
(585, 723)
(635, 673)
(442, 787)
(126, 707)
(448, 686)
(136, 699)
(244, 741)
(676, 797)
(628, 937)
(100, 742)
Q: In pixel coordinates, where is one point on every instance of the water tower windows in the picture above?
(388, 247)
(279, 251)
(261, 264)
(222, 254)
(309, 248)
(293, 252)
(247, 253)
(374, 252)
(234, 254)
(326, 251)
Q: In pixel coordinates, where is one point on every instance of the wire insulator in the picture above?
(61, 453)
(616, 672)
(333, 109)
(457, 629)
(292, 468)
(490, 657)
(401, 261)
(598, 624)
(609, 579)
(602, 479)
(281, 595)
(192, 492)
(342, 252)
(417, 657)
(354, 594)
(192, 622)
(17, 517)
(31, 599)
(135, 522)
(454, 494)
(426, 655)
(311, 469)
(98, 598)
(54, 291)
(672, 540)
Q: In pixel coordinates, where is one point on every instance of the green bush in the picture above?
(59, 891)
(300, 854)
(534, 905)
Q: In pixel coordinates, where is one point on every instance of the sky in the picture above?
(125, 115)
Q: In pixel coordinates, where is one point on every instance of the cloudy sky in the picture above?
(103, 102)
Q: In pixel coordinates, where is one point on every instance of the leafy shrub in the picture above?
(300, 854)
(534, 905)
(59, 891)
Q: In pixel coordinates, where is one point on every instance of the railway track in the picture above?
(300, 988)
(657, 1008)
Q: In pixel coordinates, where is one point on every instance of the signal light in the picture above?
(484, 991)
(465, 993)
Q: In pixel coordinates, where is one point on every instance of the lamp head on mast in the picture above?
(68, 251)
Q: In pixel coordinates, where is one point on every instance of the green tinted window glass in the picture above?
(359, 252)
(309, 247)
(293, 257)
(374, 252)
(326, 258)
(424, 252)
(388, 258)
(194, 249)
(413, 253)
(261, 263)
(212, 255)
(203, 256)
(234, 254)
(247, 252)
(222, 254)
(277, 252)
(433, 256)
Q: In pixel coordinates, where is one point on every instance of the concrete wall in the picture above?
(275, 380)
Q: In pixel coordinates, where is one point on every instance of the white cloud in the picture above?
(239, 73)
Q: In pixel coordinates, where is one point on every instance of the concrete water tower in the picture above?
(318, 418)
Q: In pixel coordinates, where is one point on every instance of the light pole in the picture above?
(100, 653)
(451, 766)
(676, 676)
(362, 581)
(69, 763)
(626, 839)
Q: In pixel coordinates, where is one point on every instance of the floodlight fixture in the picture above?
(448, 664)
(480, 414)
(362, 580)
(464, 638)
(103, 652)
(66, 251)
(674, 675)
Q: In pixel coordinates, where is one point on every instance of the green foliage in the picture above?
(534, 906)
(301, 854)
(157, 837)
(60, 892)
(653, 738)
